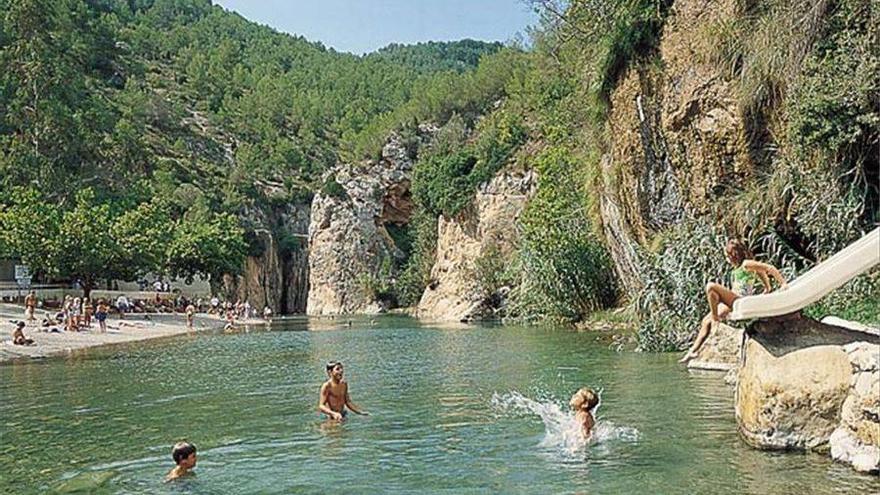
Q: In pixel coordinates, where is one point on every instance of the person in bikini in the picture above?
(334, 397)
(190, 315)
(746, 277)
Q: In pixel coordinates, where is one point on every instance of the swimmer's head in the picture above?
(334, 369)
(184, 454)
(584, 399)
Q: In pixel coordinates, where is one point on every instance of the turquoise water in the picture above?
(458, 410)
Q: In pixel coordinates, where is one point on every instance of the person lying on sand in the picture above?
(18, 337)
(745, 279)
(184, 455)
(334, 397)
(583, 402)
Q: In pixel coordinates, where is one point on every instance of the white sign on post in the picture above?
(23, 275)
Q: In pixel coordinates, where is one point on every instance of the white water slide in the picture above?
(828, 275)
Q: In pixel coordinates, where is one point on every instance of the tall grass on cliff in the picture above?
(565, 272)
(672, 302)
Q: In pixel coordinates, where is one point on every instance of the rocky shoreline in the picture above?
(803, 385)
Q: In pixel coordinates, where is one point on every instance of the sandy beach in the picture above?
(133, 328)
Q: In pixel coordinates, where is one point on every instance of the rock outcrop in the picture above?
(856, 440)
(800, 381)
(349, 242)
(277, 274)
(678, 138)
(720, 352)
(487, 228)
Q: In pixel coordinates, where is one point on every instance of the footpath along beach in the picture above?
(133, 328)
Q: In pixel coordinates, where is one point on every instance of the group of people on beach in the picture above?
(74, 314)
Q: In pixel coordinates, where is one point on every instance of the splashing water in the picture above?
(561, 429)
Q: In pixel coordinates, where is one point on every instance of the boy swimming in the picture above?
(184, 455)
(334, 396)
(583, 402)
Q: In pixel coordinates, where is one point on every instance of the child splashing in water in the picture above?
(583, 402)
(745, 278)
(569, 431)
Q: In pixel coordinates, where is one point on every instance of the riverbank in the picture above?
(134, 328)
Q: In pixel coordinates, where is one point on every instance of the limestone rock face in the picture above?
(802, 384)
(857, 439)
(278, 276)
(678, 137)
(348, 235)
(487, 229)
(720, 351)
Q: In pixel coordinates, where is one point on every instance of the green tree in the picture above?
(29, 229)
(210, 246)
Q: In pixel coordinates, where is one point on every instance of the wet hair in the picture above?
(181, 451)
(737, 251)
(585, 397)
(20, 324)
(332, 364)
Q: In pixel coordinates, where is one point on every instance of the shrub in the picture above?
(672, 301)
(333, 189)
(565, 270)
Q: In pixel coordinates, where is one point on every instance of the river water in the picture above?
(454, 410)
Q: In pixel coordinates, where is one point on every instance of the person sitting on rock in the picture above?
(745, 278)
(583, 402)
(18, 337)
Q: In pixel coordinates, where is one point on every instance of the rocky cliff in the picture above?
(802, 384)
(486, 229)
(678, 137)
(350, 248)
(276, 273)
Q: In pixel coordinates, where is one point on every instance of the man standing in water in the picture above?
(334, 395)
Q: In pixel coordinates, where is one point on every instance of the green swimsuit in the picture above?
(744, 282)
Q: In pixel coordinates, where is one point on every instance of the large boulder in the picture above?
(796, 385)
(487, 229)
(720, 352)
(350, 248)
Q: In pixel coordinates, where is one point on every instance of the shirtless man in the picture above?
(30, 305)
(334, 395)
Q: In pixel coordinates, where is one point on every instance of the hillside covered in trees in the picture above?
(134, 135)
(142, 135)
